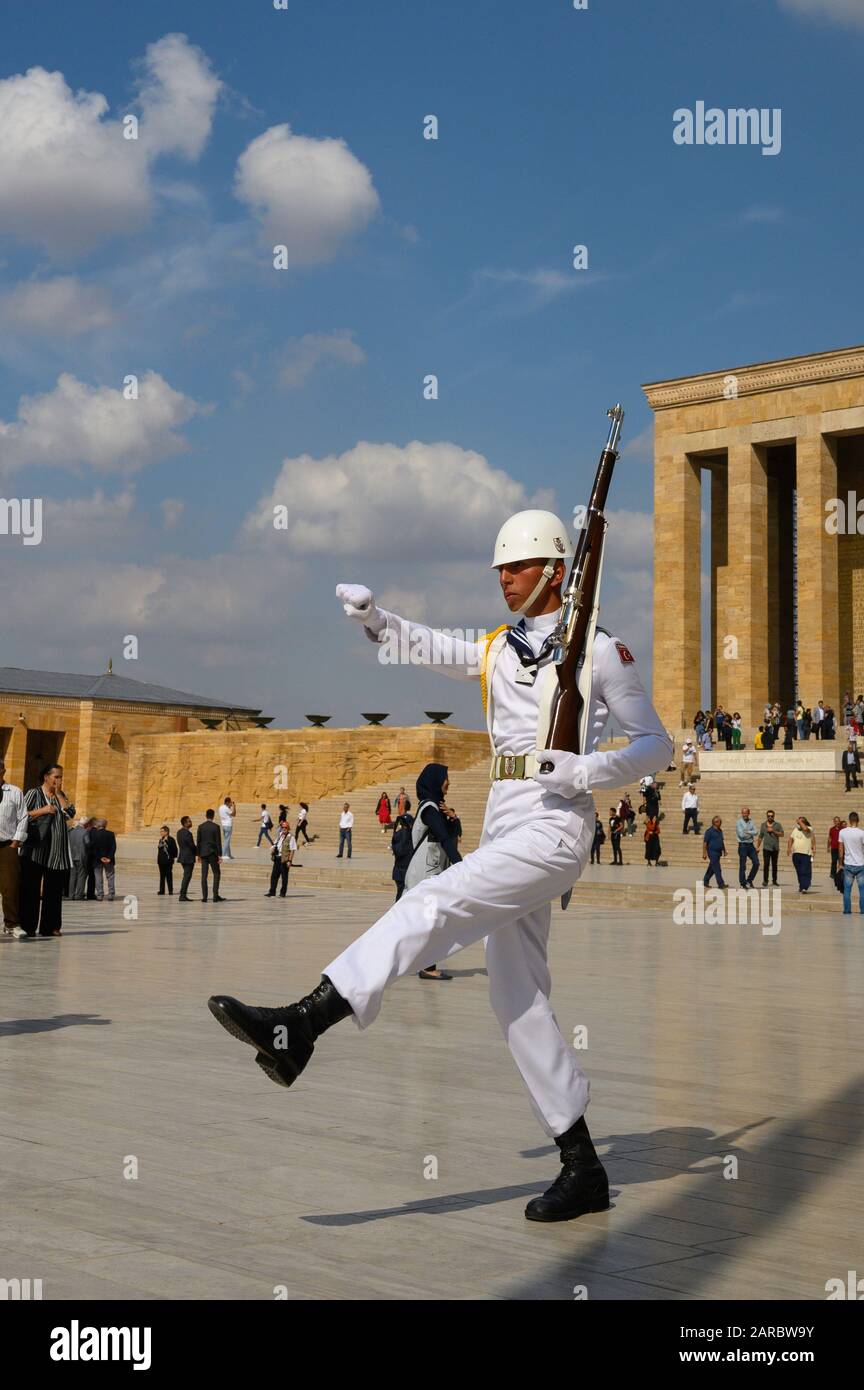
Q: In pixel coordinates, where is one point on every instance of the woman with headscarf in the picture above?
(434, 846)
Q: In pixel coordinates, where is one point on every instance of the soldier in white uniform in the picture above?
(536, 840)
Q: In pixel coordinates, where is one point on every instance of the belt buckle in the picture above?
(509, 765)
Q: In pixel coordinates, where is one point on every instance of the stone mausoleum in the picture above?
(774, 452)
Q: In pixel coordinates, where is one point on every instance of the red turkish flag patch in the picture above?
(624, 652)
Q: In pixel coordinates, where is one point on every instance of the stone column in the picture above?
(16, 756)
(677, 571)
(719, 565)
(818, 628)
(744, 647)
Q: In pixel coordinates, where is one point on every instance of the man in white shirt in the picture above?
(227, 812)
(346, 824)
(688, 762)
(851, 847)
(690, 807)
(266, 823)
(818, 716)
(536, 839)
(13, 831)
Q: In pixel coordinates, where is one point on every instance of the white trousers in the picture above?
(501, 893)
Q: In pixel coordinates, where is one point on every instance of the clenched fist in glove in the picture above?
(568, 776)
(359, 602)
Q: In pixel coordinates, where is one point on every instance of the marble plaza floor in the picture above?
(143, 1155)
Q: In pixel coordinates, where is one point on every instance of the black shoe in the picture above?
(184, 900)
(580, 1187)
(285, 1037)
(218, 900)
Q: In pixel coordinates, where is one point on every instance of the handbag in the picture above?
(429, 858)
(38, 832)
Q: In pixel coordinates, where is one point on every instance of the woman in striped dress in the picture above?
(47, 860)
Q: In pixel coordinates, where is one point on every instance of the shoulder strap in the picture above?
(417, 820)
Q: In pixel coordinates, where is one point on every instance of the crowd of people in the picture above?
(845, 842)
(48, 853)
(797, 723)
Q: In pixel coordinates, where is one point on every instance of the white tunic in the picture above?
(616, 692)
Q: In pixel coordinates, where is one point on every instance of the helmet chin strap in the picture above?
(547, 574)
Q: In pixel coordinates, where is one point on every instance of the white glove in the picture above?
(359, 602)
(569, 775)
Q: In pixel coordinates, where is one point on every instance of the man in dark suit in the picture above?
(79, 849)
(103, 851)
(851, 766)
(209, 845)
(186, 855)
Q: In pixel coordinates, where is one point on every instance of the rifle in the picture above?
(575, 628)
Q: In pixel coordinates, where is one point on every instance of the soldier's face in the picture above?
(520, 578)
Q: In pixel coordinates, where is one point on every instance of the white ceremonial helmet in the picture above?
(532, 535)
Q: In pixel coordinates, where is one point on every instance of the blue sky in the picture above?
(450, 257)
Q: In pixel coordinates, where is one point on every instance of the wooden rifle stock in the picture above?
(579, 599)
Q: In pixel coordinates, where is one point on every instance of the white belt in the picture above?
(507, 766)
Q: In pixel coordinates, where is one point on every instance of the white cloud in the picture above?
(63, 307)
(640, 447)
(70, 179)
(303, 355)
(629, 541)
(762, 213)
(80, 424)
(417, 501)
(549, 284)
(310, 195)
(175, 595)
(172, 509)
(177, 97)
(87, 520)
(843, 11)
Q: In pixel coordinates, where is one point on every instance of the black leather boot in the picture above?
(581, 1186)
(284, 1038)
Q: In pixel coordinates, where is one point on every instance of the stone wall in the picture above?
(94, 742)
(169, 773)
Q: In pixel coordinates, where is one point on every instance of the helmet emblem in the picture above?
(559, 544)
